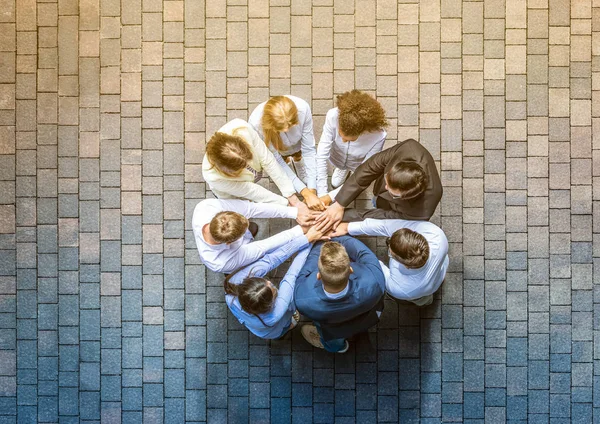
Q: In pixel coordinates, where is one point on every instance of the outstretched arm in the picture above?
(285, 296)
(271, 260)
(377, 227)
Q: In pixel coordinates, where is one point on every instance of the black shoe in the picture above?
(253, 228)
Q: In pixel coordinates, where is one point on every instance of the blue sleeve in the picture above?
(312, 261)
(270, 261)
(287, 285)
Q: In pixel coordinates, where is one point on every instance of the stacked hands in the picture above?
(326, 221)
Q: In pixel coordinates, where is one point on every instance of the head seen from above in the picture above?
(229, 154)
(409, 248)
(359, 113)
(279, 115)
(406, 180)
(227, 227)
(255, 294)
(334, 267)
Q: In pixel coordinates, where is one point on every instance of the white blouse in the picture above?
(343, 155)
(299, 137)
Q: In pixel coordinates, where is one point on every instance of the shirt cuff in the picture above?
(292, 212)
(297, 231)
(354, 228)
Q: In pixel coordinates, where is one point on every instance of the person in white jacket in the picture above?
(223, 237)
(286, 126)
(236, 159)
(418, 252)
(352, 133)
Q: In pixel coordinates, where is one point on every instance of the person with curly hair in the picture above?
(353, 132)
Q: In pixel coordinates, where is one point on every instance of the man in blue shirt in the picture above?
(341, 288)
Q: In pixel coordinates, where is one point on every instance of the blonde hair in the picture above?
(334, 265)
(359, 113)
(229, 154)
(279, 114)
(227, 227)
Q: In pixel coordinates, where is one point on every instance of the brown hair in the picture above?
(410, 248)
(408, 178)
(230, 154)
(359, 113)
(254, 295)
(279, 114)
(334, 265)
(227, 226)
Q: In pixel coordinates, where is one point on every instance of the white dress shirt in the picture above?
(229, 257)
(244, 185)
(401, 282)
(299, 137)
(343, 155)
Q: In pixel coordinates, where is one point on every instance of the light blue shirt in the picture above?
(401, 282)
(279, 318)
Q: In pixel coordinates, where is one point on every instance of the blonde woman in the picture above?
(285, 124)
(353, 132)
(235, 161)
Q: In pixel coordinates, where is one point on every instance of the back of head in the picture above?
(334, 265)
(407, 178)
(254, 294)
(227, 227)
(280, 113)
(229, 154)
(359, 113)
(410, 247)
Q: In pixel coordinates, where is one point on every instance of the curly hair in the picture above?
(359, 113)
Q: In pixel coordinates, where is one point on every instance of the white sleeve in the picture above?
(297, 182)
(377, 147)
(270, 165)
(377, 227)
(269, 210)
(247, 190)
(323, 151)
(255, 250)
(309, 151)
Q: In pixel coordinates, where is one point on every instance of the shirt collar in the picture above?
(337, 295)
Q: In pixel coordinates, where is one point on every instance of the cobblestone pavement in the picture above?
(107, 314)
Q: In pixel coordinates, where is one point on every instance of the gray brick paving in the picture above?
(107, 314)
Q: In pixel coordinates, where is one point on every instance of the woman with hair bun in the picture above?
(353, 132)
(285, 124)
(267, 311)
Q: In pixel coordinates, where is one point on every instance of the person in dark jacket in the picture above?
(407, 186)
(341, 288)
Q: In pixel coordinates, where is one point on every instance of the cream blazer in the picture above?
(243, 186)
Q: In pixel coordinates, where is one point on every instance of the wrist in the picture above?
(305, 192)
(293, 200)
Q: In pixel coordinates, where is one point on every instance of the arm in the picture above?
(251, 252)
(323, 151)
(288, 284)
(271, 260)
(309, 151)
(249, 209)
(248, 190)
(364, 175)
(378, 227)
(270, 165)
(297, 182)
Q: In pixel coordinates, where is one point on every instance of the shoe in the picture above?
(339, 177)
(345, 349)
(296, 316)
(253, 228)
(311, 335)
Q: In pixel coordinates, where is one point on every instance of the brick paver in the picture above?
(107, 314)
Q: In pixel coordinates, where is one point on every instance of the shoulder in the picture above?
(300, 103)
(332, 114)
(256, 116)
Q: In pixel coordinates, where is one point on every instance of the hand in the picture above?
(332, 216)
(312, 200)
(326, 200)
(305, 216)
(317, 232)
(341, 230)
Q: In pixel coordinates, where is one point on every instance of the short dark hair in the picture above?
(410, 248)
(408, 178)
